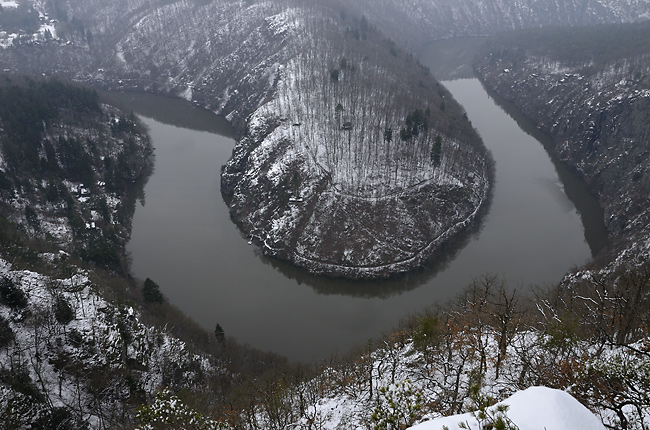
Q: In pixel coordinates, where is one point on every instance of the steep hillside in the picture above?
(82, 344)
(70, 172)
(587, 89)
(72, 359)
(353, 161)
(354, 169)
(70, 168)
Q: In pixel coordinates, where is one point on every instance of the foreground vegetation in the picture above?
(588, 336)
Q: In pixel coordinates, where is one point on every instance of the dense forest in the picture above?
(47, 164)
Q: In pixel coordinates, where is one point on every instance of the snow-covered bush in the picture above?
(168, 411)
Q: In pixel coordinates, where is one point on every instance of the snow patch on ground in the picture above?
(7, 40)
(284, 23)
(46, 31)
(187, 94)
(8, 3)
(531, 409)
(120, 56)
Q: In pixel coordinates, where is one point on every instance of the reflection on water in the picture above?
(183, 238)
(591, 214)
(384, 289)
(172, 111)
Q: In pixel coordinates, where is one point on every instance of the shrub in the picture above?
(168, 411)
(151, 292)
(63, 312)
(6, 333)
(18, 379)
(398, 407)
(11, 295)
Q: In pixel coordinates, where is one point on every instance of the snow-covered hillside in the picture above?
(331, 173)
(353, 161)
(71, 358)
(592, 98)
(324, 177)
(322, 147)
(77, 349)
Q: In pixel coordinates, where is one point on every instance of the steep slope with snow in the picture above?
(76, 352)
(320, 139)
(591, 95)
(332, 172)
(70, 168)
(71, 359)
(350, 170)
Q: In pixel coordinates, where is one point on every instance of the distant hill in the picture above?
(413, 23)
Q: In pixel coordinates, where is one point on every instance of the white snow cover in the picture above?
(101, 344)
(532, 409)
(8, 3)
(287, 21)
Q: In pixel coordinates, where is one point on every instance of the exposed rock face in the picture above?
(596, 113)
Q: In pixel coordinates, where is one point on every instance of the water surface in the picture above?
(183, 239)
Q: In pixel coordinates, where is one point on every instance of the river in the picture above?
(184, 240)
